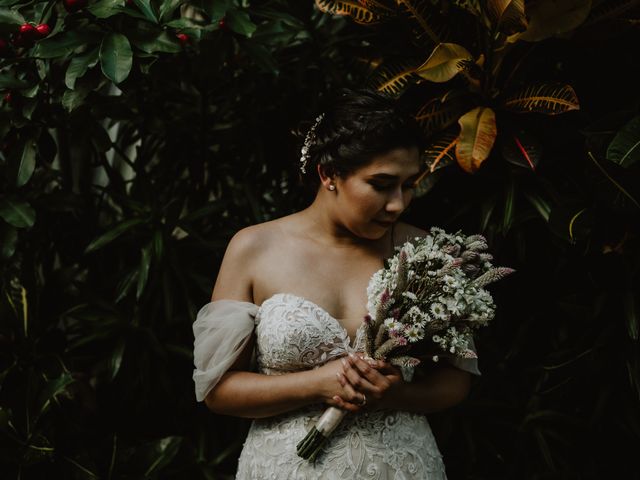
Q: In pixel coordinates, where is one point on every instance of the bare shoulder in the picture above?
(405, 231)
(235, 278)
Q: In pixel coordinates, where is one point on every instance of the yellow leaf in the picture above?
(393, 78)
(445, 62)
(357, 12)
(437, 115)
(477, 136)
(546, 98)
(419, 11)
(548, 18)
(507, 15)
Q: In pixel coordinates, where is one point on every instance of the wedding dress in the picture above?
(293, 334)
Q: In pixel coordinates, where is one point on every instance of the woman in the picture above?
(308, 272)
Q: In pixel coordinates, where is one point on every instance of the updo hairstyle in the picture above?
(359, 125)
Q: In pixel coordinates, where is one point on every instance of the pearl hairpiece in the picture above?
(310, 137)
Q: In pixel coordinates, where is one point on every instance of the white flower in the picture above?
(410, 295)
(414, 333)
(392, 324)
(438, 310)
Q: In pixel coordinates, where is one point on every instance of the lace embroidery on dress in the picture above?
(294, 334)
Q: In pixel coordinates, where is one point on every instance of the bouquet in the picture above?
(430, 293)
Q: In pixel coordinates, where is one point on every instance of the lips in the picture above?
(384, 223)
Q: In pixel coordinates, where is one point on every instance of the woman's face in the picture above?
(370, 199)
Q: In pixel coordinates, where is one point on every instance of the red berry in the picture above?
(43, 30)
(28, 31)
(74, 5)
(4, 47)
(222, 24)
(7, 98)
(183, 38)
(130, 3)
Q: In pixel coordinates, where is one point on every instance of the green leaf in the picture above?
(72, 99)
(106, 8)
(160, 453)
(509, 202)
(162, 42)
(79, 66)
(143, 271)
(10, 82)
(631, 312)
(146, 8)
(125, 285)
(167, 8)
(114, 233)
(115, 361)
(8, 241)
(158, 244)
(11, 17)
(116, 57)
(215, 10)
(62, 44)
(625, 147)
(53, 387)
(540, 204)
(240, 22)
(27, 163)
(17, 213)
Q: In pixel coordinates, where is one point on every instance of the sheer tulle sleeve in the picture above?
(221, 330)
(467, 364)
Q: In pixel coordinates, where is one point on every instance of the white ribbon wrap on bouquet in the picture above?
(222, 330)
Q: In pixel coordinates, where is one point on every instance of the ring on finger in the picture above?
(364, 400)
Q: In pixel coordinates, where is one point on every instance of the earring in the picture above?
(332, 187)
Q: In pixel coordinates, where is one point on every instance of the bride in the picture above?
(280, 339)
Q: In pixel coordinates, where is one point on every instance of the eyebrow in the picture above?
(387, 176)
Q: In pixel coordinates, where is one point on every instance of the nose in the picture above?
(398, 201)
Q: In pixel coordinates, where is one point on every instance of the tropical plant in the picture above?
(136, 139)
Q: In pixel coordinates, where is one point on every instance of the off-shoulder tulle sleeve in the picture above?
(222, 329)
(467, 364)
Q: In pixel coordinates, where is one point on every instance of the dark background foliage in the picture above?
(122, 184)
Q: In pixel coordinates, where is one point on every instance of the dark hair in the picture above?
(358, 125)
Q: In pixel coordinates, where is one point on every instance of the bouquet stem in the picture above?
(311, 444)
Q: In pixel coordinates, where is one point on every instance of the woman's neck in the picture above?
(318, 223)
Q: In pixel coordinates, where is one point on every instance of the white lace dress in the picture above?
(294, 334)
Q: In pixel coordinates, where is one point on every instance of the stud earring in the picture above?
(332, 187)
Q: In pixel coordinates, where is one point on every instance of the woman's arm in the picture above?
(253, 395)
(246, 394)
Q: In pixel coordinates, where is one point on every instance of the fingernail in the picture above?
(344, 362)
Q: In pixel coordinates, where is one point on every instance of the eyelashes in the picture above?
(383, 188)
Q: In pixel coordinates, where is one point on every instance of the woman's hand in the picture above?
(333, 390)
(378, 381)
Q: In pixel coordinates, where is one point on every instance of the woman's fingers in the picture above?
(350, 393)
(366, 369)
(339, 402)
(361, 381)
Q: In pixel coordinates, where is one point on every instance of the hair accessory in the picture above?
(310, 137)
